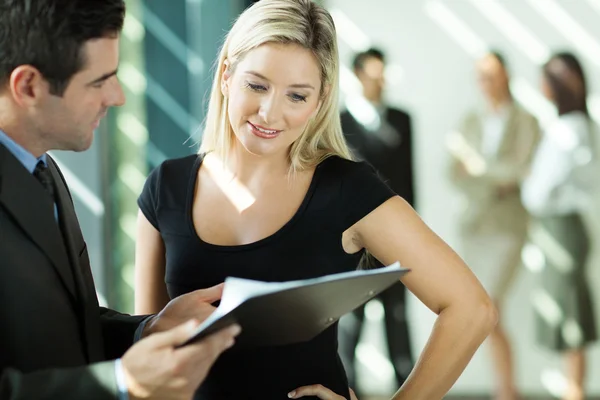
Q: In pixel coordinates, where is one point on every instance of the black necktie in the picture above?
(42, 173)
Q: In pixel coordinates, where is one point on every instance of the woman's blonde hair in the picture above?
(300, 22)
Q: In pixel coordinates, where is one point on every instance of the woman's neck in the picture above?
(250, 169)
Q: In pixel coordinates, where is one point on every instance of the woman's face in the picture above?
(273, 92)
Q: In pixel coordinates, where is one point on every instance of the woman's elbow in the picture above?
(486, 314)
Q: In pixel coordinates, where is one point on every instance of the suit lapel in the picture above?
(475, 134)
(31, 207)
(69, 225)
(75, 247)
(508, 133)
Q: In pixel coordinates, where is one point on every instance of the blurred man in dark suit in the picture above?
(380, 135)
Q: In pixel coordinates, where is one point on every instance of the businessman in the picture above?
(58, 60)
(383, 138)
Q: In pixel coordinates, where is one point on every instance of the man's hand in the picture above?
(195, 305)
(155, 368)
(319, 391)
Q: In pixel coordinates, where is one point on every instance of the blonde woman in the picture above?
(273, 195)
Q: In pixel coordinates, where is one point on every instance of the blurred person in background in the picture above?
(383, 138)
(490, 154)
(557, 192)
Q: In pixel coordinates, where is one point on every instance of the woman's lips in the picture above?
(263, 132)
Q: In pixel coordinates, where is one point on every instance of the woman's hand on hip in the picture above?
(319, 391)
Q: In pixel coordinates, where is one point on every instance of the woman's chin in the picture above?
(256, 148)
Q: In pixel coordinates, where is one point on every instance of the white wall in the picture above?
(431, 46)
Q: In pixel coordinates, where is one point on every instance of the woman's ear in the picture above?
(225, 75)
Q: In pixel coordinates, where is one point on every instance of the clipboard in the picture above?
(280, 313)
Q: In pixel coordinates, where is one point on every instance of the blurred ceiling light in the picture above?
(458, 146)
(532, 100)
(572, 333)
(393, 74)
(131, 127)
(81, 191)
(357, 40)
(128, 224)
(133, 29)
(566, 140)
(363, 112)
(349, 32)
(101, 299)
(595, 5)
(374, 311)
(546, 307)
(532, 257)
(132, 78)
(554, 381)
(516, 32)
(368, 355)
(128, 275)
(569, 28)
(594, 107)
(554, 252)
(456, 28)
(178, 114)
(349, 83)
(172, 42)
(155, 156)
(131, 177)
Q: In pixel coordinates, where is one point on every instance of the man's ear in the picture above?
(27, 85)
(225, 75)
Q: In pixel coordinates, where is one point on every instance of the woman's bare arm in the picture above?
(150, 290)
(442, 281)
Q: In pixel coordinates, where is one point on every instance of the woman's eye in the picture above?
(297, 97)
(255, 87)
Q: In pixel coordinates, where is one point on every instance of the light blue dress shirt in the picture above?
(26, 158)
(29, 162)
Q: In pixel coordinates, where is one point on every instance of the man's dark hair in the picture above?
(49, 35)
(360, 58)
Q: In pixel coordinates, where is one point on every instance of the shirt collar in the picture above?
(379, 106)
(26, 158)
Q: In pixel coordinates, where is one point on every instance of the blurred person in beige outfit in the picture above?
(490, 154)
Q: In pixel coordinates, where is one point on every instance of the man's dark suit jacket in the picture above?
(394, 163)
(55, 339)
